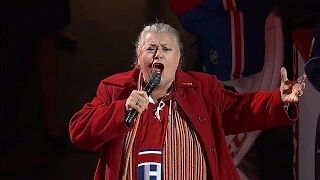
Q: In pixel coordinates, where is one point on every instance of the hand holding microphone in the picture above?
(138, 100)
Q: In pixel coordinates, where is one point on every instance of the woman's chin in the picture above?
(165, 83)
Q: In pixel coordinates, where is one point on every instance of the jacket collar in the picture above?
(184, 80)
(129, 78)
(124, 79)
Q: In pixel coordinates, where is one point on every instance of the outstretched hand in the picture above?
(291, 90)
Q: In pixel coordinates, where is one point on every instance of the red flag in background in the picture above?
(182, 6)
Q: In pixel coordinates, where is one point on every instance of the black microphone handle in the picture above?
(130, 117)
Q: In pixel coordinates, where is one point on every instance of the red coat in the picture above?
(214, 112)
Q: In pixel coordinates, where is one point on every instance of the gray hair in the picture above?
(159, 28)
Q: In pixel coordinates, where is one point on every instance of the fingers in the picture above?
(297, 90)
(143, 100)
(283, 73)
(300, 85)
(303, 86)
(292, 94)
(292, 90)
(291, 99)
(134, 103)
(302, 79)
(144, 95)
(137, 100)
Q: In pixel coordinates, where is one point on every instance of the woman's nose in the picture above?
(158, 54)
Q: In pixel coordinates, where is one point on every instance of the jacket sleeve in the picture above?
(245, 112)
(98, 122)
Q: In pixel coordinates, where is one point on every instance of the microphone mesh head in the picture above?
(155, 78)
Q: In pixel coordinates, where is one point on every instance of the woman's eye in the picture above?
(166, 49)
(150, 49)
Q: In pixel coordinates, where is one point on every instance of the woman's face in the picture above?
(160, 52)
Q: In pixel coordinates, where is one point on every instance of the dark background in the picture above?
(105, 32)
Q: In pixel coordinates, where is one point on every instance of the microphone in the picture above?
(154, 80)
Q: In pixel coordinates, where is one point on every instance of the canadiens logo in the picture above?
(149, 164)
(213, 56)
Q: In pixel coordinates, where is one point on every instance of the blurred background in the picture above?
(55, 53)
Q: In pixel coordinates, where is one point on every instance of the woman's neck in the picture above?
(160, 91)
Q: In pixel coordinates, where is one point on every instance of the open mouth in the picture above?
(157, 67)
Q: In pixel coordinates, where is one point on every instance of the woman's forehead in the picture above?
(159, 38)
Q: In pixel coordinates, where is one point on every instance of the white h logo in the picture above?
(149, 171)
